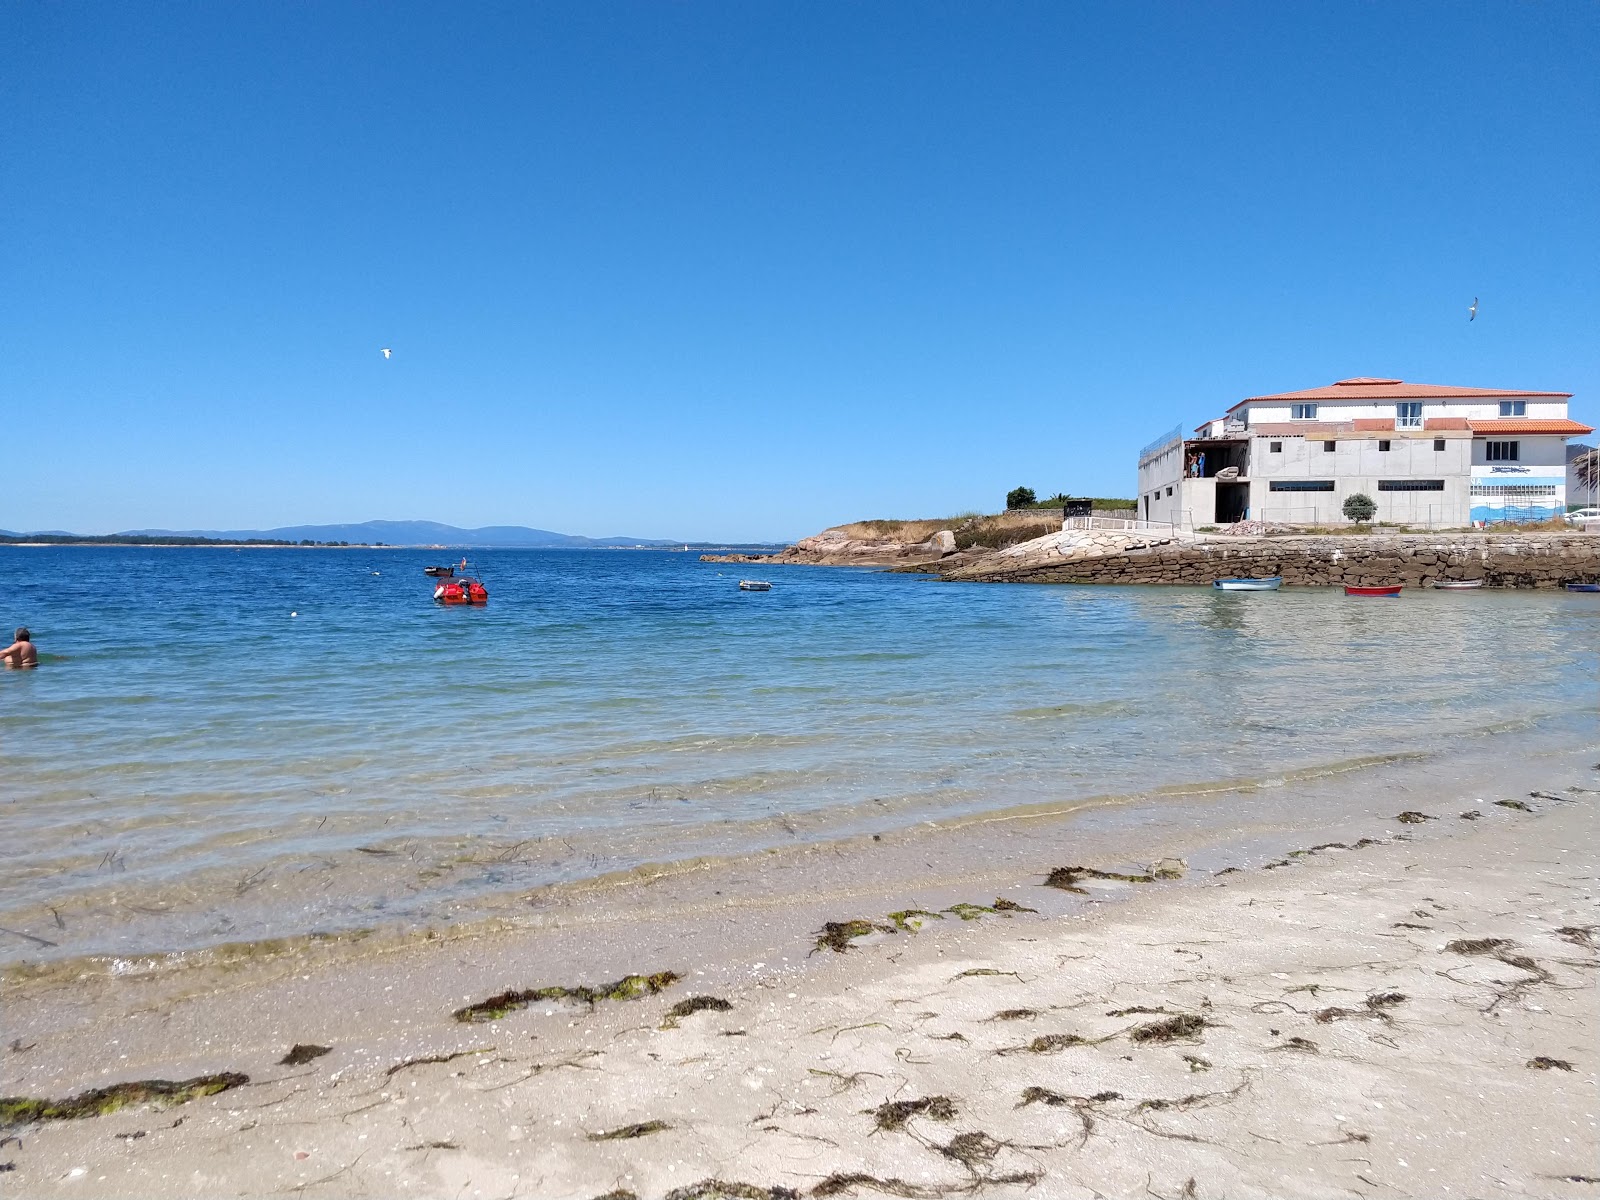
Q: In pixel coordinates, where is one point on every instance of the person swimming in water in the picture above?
(21, 653)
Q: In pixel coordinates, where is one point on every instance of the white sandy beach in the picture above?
(1353, 1022)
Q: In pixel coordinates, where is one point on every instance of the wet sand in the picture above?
(1411, 1012)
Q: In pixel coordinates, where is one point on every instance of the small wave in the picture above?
(1102, 708)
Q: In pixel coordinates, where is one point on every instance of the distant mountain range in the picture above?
(391, 533)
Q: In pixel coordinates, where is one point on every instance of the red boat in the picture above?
(1372, 591)
(453, 589)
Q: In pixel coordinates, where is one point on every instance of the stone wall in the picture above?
(1371, 560)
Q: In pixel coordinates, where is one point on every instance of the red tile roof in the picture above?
(1368, 388)
(1527, 425)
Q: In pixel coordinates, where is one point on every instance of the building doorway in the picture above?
(1233, 502)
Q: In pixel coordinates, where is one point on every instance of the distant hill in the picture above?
(394, 533)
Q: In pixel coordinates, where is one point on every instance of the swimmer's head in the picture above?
(23, 635)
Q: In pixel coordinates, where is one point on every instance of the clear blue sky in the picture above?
(745, 270)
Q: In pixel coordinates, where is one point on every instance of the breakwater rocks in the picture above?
(1523, 560)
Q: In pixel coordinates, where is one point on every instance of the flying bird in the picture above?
(1472, 315)
(387, 352)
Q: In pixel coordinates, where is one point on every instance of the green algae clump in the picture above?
(629, 987)
(908, 920)
(23, 1110)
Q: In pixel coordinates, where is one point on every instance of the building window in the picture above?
(1513, 489)
(1169, 491)
(1275, 447)
(1300, 485)
(1502, 451)
(1384, 446)
(1408, 416)
(1411, 485)
(1303, 412)
(1438, 445)
(1328, 447)
(1513, 408)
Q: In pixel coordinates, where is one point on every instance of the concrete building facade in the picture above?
(1426, 454)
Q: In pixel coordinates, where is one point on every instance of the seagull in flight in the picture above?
(387, 352)
(1472, 315)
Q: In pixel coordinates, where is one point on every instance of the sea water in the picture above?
(226, 744)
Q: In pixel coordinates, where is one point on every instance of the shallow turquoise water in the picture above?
(186, 734)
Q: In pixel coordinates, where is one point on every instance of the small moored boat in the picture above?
(1266, 583)
(1372, 591)
(1583, 587)
(468, 589)
(754, 585)
(1457, 585)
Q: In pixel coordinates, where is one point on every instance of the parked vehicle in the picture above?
(1584, 516)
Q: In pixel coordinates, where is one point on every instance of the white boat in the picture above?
(754, 585)
(1270, 583)
(1457, 585)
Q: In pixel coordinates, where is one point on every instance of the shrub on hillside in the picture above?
(1021, 498)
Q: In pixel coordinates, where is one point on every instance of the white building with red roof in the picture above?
(1424, 453)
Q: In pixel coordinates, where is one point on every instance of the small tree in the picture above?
(1021, 498)
(1359, 507)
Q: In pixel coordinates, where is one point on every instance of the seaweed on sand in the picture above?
(629, 987)
(1083, 1107)
(22, 1110)
(909, 920)
(1374, 1005)
(838, 936)
(845, 1184)
(1515, 805)
(1002, 907)
(302, 1053)
(1478, 945)
(1049, 1043)
(1184, 1026)
(694, 1004)
(1543, 1063)
(1412, 817)
(1068, 879)
(722, 1189)
(893, 1115)
(1001, 904)
(625, 1133)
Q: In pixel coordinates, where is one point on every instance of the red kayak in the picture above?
(1372, 591)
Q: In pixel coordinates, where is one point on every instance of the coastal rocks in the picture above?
(1530, 560)
(838, 548)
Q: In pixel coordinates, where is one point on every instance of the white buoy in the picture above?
(294, 614)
